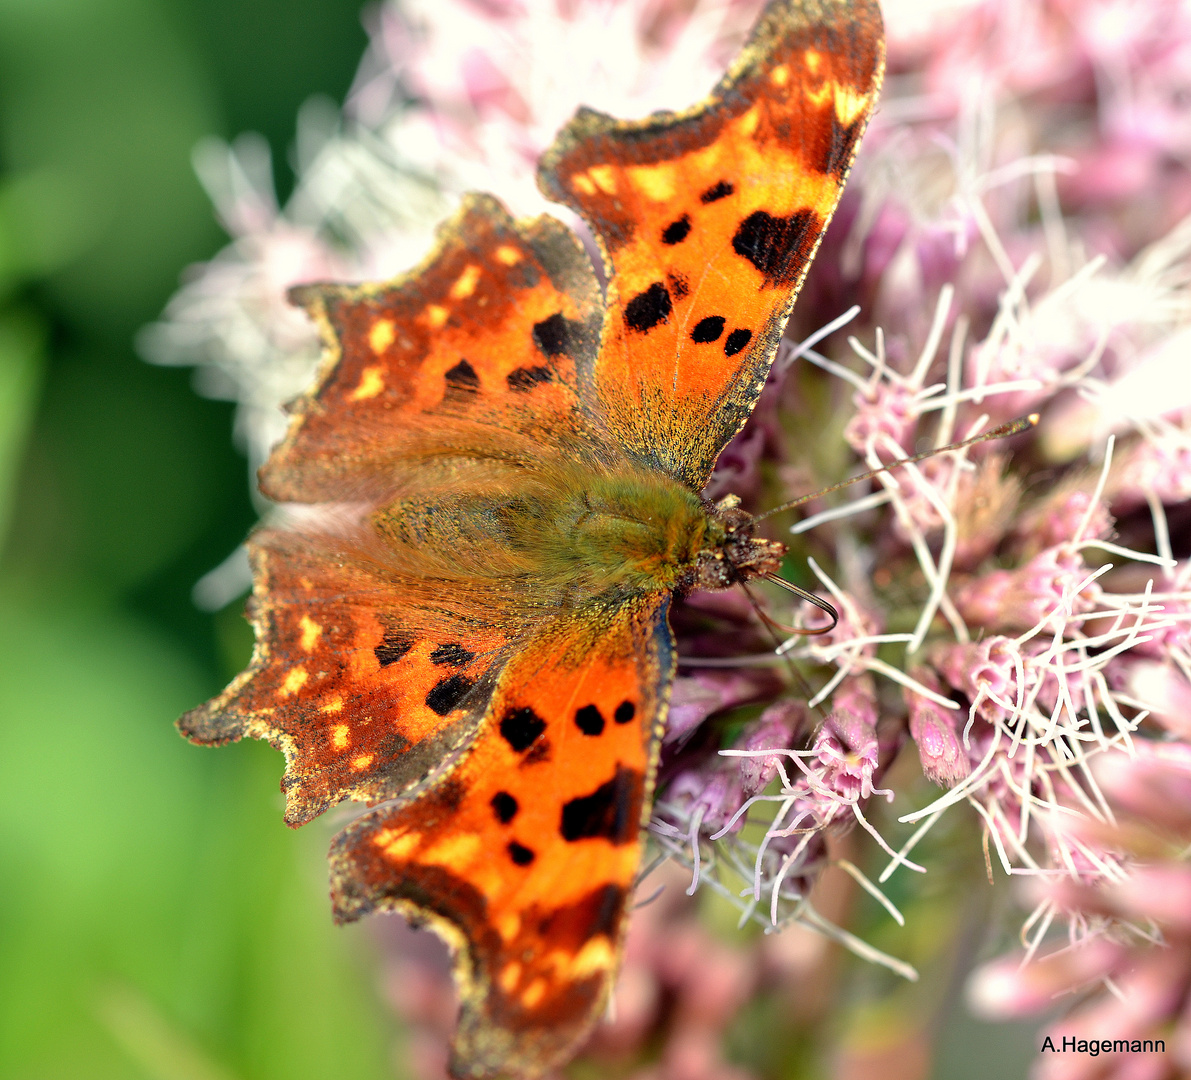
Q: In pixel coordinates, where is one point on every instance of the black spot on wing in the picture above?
(649, 308)
(716, 192)
(462, 377)
(625, 711)
(589, 720)
(452, 655)
(557, 335)
(394, 645)
(736, 341)
(779, 247)
(448, 795)
(597, 912)
(612, 812)
(520, 727)
(520, 854)
(677, 231)
(708, 329)
(446, 694)
(526, 378)
(837, 149)
(680, 285)
(504, 806)
(606, 904)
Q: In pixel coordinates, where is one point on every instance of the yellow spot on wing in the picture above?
(332, 705)
(812, 59)
(534, 993)
(381, 336)
(510, 975)
(509, 925)
(749, 121)
(822, 95)
(339, 736)
(604, 177)
(372, 382)
(780, 75)
(583, 184)
(362, 761)
(510, 256)
(849, 104)
(453, 851)
(654, 181)
(310, 633)
(436, 315)
(465, 284)
(397, 847)
(295, 679)
(594, 957)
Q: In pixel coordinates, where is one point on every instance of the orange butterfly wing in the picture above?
(524, 856)
(345, 679)
(484, 337)
(709, 220)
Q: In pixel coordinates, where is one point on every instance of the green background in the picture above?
(157, 920)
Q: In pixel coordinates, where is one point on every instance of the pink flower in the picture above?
(1061, 518)
(708, 797)
(1158, 687)
(845, 754)
(1149, 975)
(780, 726)
(1048, 587)
(991, 671)
(937, 732)
(886, 411)
(697, 696)
(1159, 467)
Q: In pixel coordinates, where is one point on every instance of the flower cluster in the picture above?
(1015, 239)
(1132, 928)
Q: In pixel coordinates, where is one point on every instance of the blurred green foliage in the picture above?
(157, 920)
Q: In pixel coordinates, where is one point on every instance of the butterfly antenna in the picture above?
(810, 598)
(1014, 427)
(773, 627)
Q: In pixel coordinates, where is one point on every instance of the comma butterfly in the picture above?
(499, 471)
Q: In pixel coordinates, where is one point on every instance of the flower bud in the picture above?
(936, 732)
(776, 728)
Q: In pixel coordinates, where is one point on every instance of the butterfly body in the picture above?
(493, 494)
(569, 534)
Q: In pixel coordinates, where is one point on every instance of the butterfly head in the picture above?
(735, 555)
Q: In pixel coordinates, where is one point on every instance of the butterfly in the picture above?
(493, 495)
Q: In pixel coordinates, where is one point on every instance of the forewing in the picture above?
(524, 855)
(709, 219)
(486, 334)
